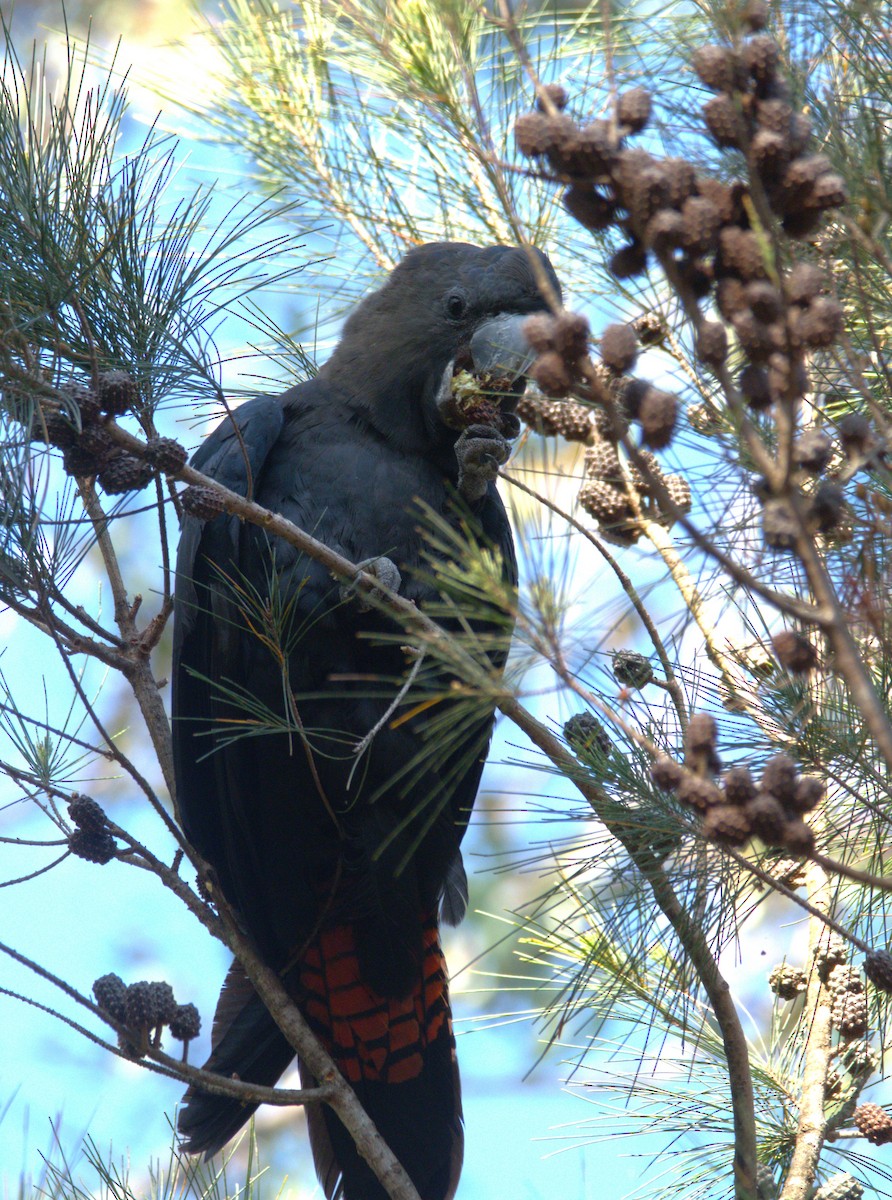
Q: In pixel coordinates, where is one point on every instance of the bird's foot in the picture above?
(384, 569)
(480, 451)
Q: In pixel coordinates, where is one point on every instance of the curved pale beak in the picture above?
(499, 347)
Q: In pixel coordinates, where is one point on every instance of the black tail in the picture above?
(246, 1042)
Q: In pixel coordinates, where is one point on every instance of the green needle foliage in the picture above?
(102, 268)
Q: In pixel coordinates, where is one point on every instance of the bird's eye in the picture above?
(456, 305)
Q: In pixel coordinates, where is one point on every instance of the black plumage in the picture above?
(332, 873)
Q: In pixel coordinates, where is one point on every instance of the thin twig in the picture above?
(816, 1056)
(847, 660)
(39, 871)
(781, 888)
(157, 1060)
(690, 593)
(835, 867)
(671, 682)
(360, 748)
(138, 670)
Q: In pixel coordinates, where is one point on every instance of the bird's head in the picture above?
(449, 310)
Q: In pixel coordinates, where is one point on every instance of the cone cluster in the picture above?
(91, 838)
(737, 807)
(145, 1008)
(562, 344)
(606, 492)
(713, 240)
(78, 427)
(752, 111)
(822, 501)
(562, 367)
(666, 207)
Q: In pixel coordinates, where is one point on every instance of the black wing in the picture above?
(205, 636)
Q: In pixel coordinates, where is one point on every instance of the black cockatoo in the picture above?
(341, 873)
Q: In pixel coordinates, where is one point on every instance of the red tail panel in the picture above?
(374, 1039)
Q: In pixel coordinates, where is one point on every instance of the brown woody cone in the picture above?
(125, 472)
(701, 733)
(761, 55)
(717, 67)
(633, 108)
(874, 1123)
(798, 838)
(679, 492)
(739, 785)
(628, 261)
(812, 451)
(571, 421)
(779, 777)
(807, 795)
(712, 343)
(550, 373)
(768, 818)
(657, 415)
(727, 825)
(94, 845)
(698, 793)
(554, 93)
(602, 462)
(848, 1012)
(878, 969)
(603, 501)
(202, 502)
(185, 1023)
(845, 978)
(787, 981)
(619, 347)
(724, 121)
(166, 454)
(666, 773)
(794, 652)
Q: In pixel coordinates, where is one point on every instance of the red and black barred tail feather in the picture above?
(399, 1056)
(247, 1043)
